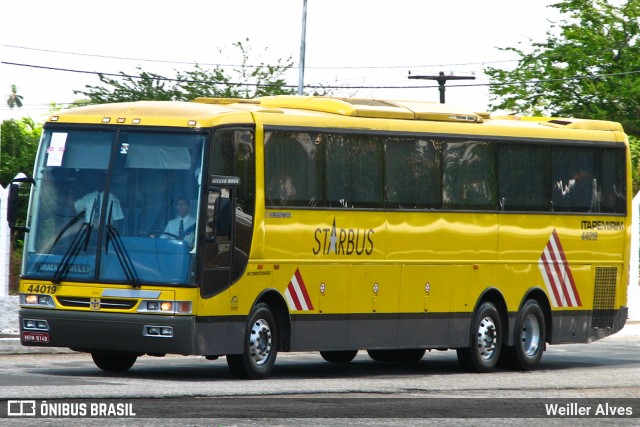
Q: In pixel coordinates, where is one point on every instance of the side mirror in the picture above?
(14, 205)
(221, 200)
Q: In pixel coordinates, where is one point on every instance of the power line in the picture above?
(320, 86)
(123, 75)
(342, 67)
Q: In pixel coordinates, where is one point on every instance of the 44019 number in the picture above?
(42, 289)
(589, 235)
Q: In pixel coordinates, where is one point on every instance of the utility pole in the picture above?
(442, 80)
(303, 42)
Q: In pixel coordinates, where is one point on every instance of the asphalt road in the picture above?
(304, 389)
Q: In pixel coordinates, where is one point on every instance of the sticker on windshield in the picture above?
(56, 149)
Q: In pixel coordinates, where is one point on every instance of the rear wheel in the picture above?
(114, 361)
(530, 335)
(260, 346)
(410, 355)
(485, 340)
(343, 356)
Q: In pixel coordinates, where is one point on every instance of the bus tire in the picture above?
(341, 356)
(485, 340)
(260, 346)
(529, 339)
(408, 355)
(114, 361)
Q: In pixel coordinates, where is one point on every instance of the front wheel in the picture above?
(530, 336)
(114, 361)
(260, 346)
(341, 356)
(485, 340)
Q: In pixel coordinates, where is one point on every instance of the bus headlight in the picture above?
(165, 307)
(37, 300)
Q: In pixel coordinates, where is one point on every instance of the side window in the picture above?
(614, 185)
(523, 177)
(469, 175)
(232, 154)
(575, 179)
(412, 172)
(244, 168)
(221, 155)
(292, 175)
(354, 171)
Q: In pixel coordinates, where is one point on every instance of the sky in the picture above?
(349, 43)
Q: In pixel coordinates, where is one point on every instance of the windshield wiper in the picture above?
(121, 253)
(64, 230)
(82, 236)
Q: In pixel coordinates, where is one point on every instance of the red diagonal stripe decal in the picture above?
(303, 289)
(557, 274)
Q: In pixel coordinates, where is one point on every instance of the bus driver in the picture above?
(183, 225)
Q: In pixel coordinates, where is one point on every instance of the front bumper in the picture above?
(88, 331)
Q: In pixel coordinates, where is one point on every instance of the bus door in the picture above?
(219, 235)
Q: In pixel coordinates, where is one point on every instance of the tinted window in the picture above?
(354, 172)
(575, 179)
(292, 175)
(523, 177)
(614, 184)
(412, 172)
(373, 171)
(232, 154)
(469, 175)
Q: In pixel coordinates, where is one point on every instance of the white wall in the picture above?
(5, 243)
(633, 294)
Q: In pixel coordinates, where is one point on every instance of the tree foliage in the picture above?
(19, 141)
(244, 81)
(589, 67)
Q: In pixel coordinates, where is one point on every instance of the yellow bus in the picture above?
(244, 228)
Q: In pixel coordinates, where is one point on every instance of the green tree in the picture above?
(589, 66)
(14, 100)
(634, 144)
(148, 86)
(19, 140)
(244, 81)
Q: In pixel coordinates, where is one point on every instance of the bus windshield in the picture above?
(115, 206)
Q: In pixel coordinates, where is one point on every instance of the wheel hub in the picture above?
(530, 335)
(260, 342)
(486, 338)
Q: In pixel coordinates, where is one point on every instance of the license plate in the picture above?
(35, 337)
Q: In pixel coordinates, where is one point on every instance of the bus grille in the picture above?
(604, 297)
(105, 304)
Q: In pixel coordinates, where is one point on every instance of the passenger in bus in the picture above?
(91, 204)
(580, 194)
(183, 225)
